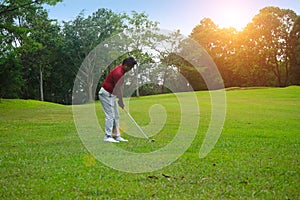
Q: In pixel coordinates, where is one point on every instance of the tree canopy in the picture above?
(263, 54)
(40, 57)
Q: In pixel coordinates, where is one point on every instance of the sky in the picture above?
(176, 14)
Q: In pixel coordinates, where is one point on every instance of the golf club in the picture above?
(141, 130)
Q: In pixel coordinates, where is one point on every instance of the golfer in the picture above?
(111, 89)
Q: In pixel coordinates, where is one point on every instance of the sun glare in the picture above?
(232, 15)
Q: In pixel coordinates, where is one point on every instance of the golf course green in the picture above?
(256, 157)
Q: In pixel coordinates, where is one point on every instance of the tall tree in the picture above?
(295, 52)
(81, 36)
(270, 33)
(16, 27)
(247, 64)
(141, 34)
(206, 34)
(219, 44)
(38, 56)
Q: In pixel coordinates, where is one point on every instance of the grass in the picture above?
(256, 157)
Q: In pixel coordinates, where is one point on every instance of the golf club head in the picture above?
(151, 140)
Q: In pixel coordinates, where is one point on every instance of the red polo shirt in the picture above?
(115, 77)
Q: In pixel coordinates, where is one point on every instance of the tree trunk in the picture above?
(41, 83)
(90, 92)
(277, 72)
(164, 82)
(137, 82)
(287, 71)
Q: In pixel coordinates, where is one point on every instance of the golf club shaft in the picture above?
(141, 130)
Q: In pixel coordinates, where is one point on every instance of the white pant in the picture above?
(110, 109)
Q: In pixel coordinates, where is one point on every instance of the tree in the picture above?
(172, 70)
(295, 52)
(263, 54)
(80, 37)
(38, 55)
(206, 34)
(16, 18)
(17, 6)
(270, 34)
(10, 76)
(141, 34)
(219, 44)
(247, 64)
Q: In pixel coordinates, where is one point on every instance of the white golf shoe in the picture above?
(110, 139)
(120, 139)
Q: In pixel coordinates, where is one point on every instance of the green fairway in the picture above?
(256, 157)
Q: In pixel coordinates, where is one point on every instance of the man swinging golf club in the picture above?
(111, 89)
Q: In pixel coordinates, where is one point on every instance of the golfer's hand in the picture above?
(121, 104)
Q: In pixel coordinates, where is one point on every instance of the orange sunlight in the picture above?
(232, 14)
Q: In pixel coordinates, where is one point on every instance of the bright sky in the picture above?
(176, 14)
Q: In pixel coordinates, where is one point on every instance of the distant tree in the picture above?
(295, 52)
(16, 27)
(11, 80)
(270, 33)
(263, 54)
(167, 69)
(206, 34)
(38, 56)
(247, 64)
(219, 44)
(80, 37)
(141, 33)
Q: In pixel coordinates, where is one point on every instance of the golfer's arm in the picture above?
(120, 92)
(119, 87)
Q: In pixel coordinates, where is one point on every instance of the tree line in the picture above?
(265, 53)
(40, 58)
